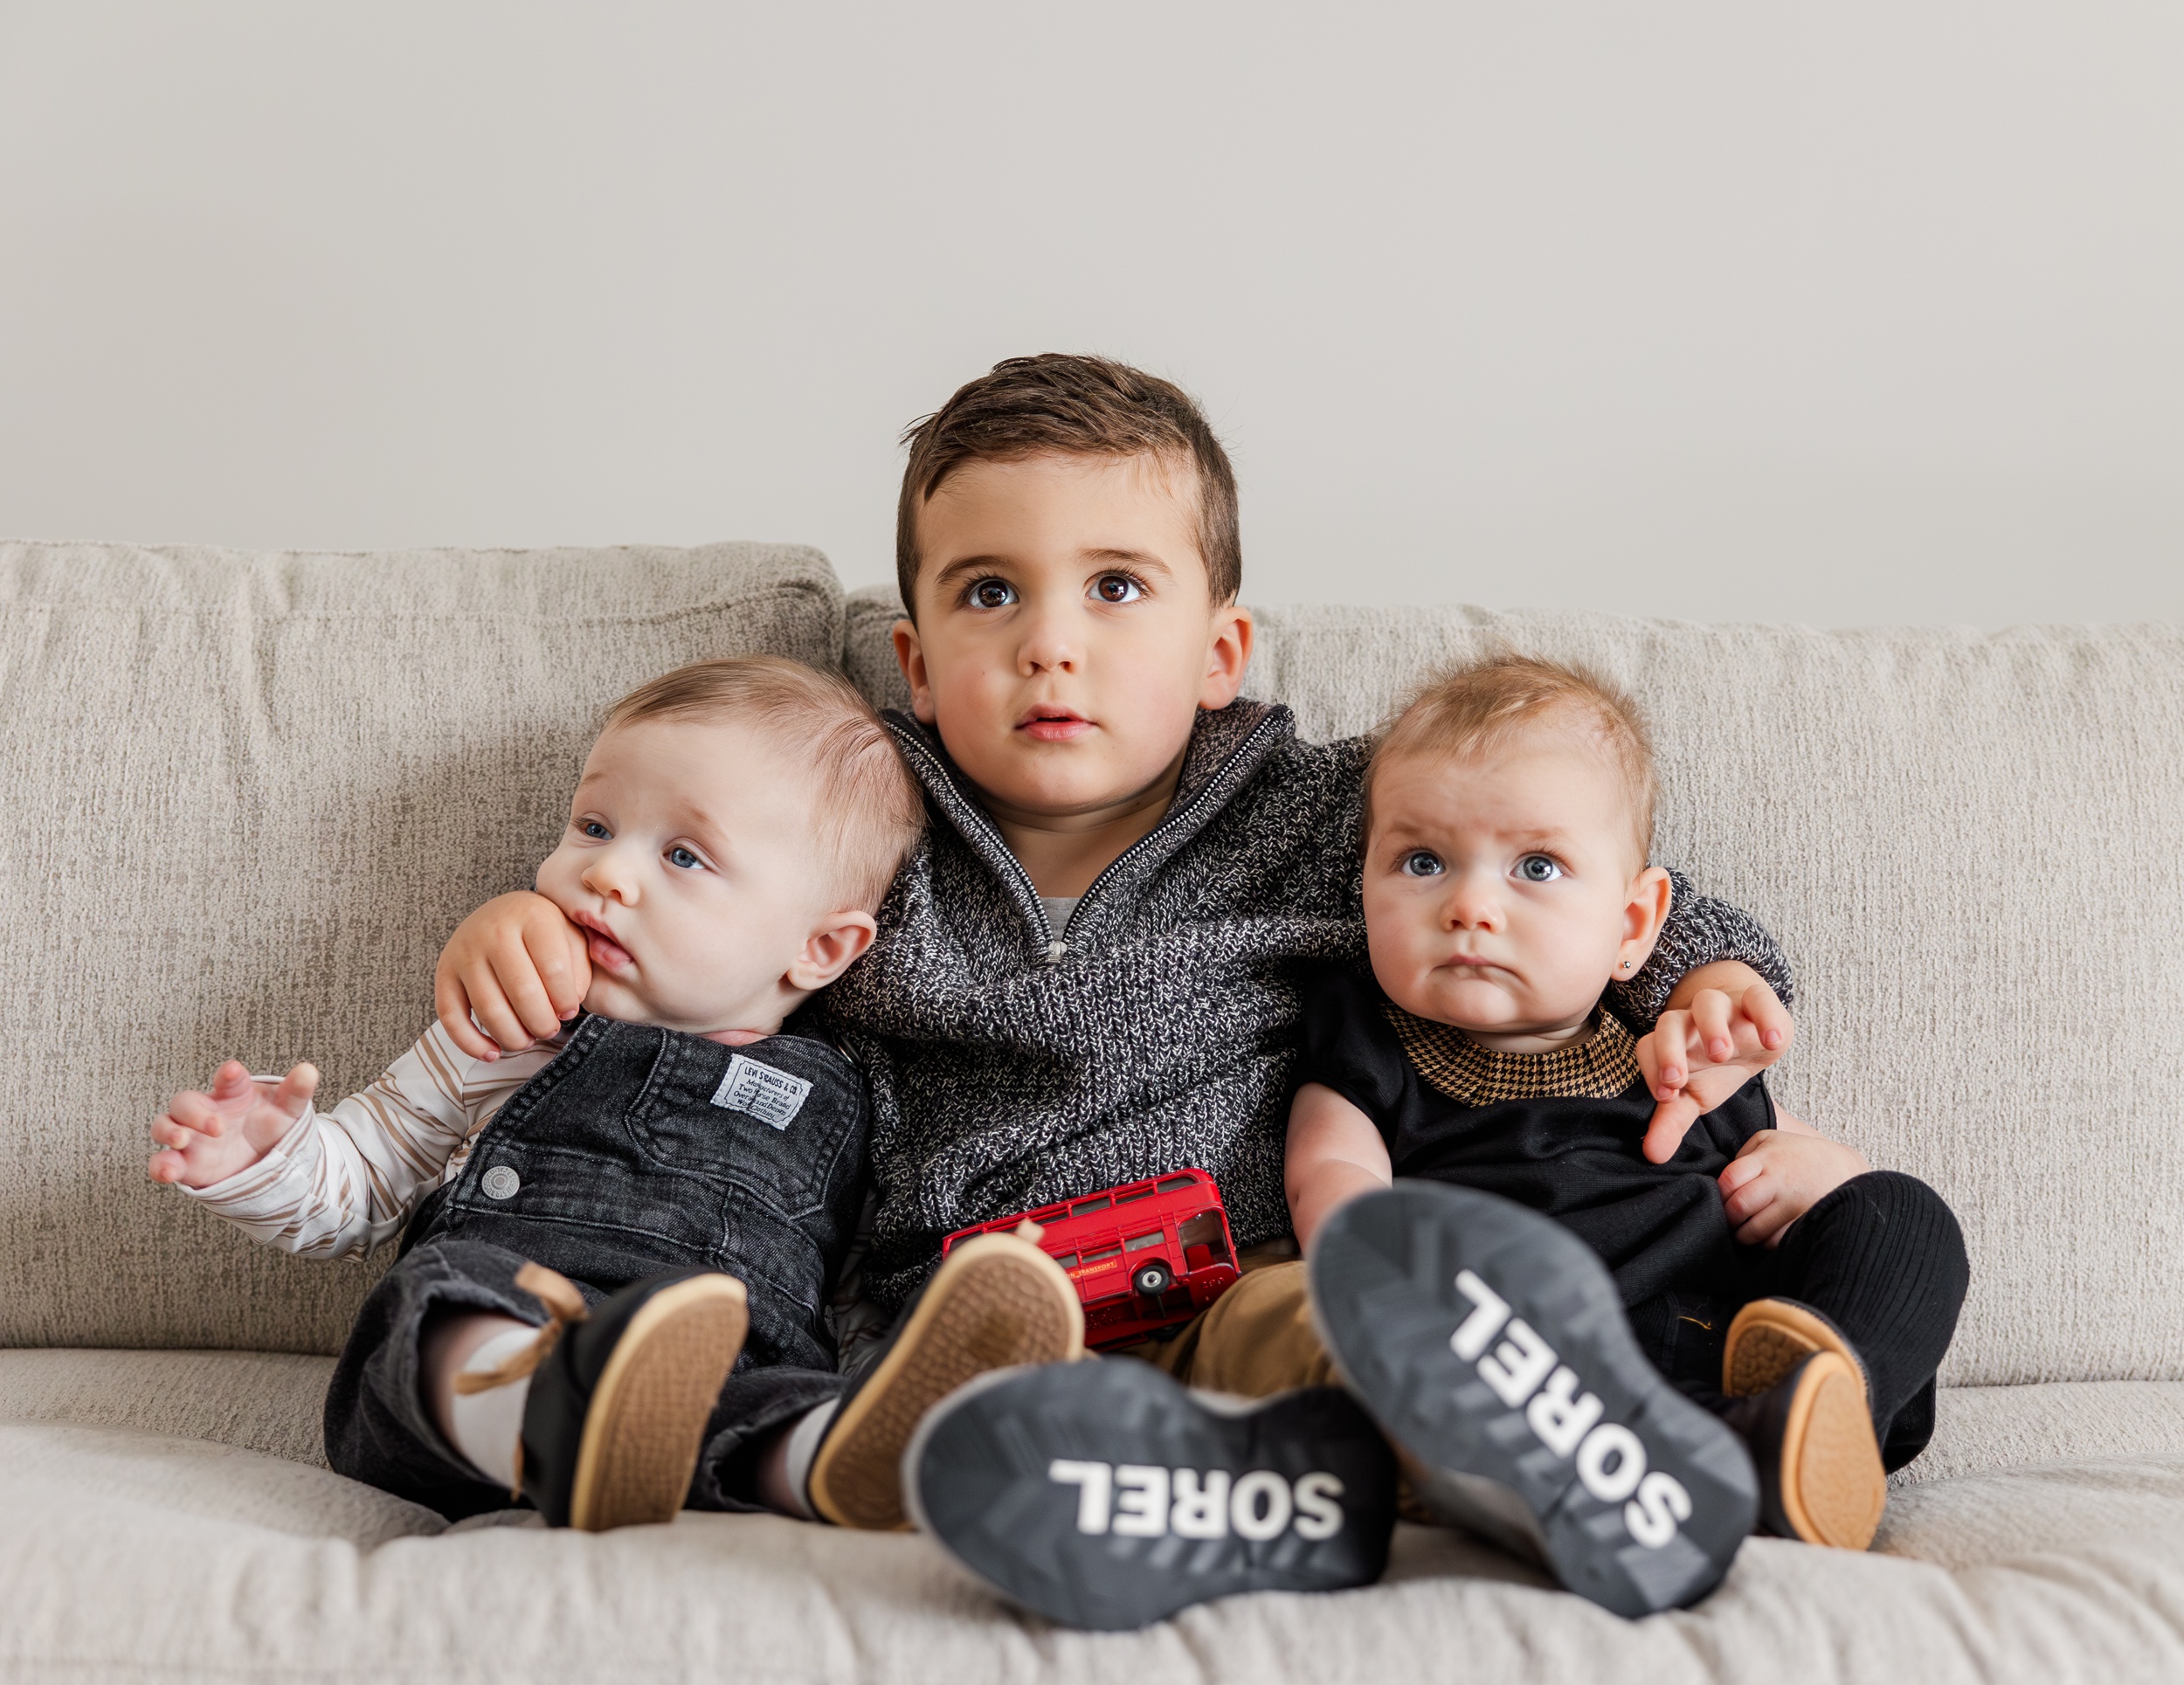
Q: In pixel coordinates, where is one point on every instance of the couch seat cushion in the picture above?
(130, 1554)
(131, 1481)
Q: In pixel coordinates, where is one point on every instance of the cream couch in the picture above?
(246, 797)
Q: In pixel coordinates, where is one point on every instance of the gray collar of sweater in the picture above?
(1227, 746)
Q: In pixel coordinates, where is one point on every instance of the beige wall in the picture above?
(1850, 314)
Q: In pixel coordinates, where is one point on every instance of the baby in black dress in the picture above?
(1588, 1387)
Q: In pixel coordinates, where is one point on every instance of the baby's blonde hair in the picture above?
(1480, 707)
(868, 811)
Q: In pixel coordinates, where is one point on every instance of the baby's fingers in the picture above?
(292, 1097)
(556, 950)
(1768, 1227)
(490, 1008)
(451, 1004)
(170, 1140)
(231, 1082)
(193, 1110)
(1752, 1196)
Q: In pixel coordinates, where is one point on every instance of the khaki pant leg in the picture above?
(1256, 1339)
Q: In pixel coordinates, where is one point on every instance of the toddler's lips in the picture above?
(1054, 725)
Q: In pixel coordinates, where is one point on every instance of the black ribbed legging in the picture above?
(1882, 1259)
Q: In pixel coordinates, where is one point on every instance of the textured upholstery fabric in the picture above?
(268, 1401)
(249, 797)
(128, 1555)
(1968, 846)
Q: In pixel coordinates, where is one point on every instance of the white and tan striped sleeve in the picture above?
(344, 1179)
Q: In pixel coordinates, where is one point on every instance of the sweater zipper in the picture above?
(1027, 892)
(1174, 817)
(1054, 948)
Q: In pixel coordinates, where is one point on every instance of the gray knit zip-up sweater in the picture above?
(1012, 1065)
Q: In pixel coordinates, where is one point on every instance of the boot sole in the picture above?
(1833, 1491)
(1770, 1337)
(1542, 1426)
(1106, 1495)
(995, 1303)
(647, 1420)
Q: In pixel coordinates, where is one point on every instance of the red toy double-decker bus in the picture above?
(1145, 1256)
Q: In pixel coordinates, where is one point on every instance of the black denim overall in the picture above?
(638, 1149)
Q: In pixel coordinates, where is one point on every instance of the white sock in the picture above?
(488, 1425)
(804, 1444)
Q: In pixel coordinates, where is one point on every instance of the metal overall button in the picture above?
(500, 1182)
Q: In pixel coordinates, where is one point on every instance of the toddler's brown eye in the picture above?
(991, 594)
(1117, 588)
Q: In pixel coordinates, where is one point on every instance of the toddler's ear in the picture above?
(1227, 656)
(909, 655)
(834, 945)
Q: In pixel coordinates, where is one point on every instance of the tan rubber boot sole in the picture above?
(1770, 1337)
(1833, 1488)
(995, 1302)
(646, 1423)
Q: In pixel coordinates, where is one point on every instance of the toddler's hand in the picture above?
(1695, 1057)
(517, 964)
(204, 1138)
(1780, 1175)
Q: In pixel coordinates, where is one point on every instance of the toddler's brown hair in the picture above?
(1072, 406)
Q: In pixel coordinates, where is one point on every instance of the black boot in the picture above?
(1802, 1405)
(1106, 1495)
(995, 1300)
(1490, 1345)
(618, 1403)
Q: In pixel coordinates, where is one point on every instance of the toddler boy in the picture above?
(1585, 1386)
(599, 1228)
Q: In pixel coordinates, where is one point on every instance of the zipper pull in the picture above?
(1055, 949)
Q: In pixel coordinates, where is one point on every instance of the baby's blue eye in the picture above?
(1116, 588)
(683, 858)
(594, 829)
(1538, 868)
(1421, 863)
(991, 594)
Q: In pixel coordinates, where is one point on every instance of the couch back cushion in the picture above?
(1972, 848)
(248, 798)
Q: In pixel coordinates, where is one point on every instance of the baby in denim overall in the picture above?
(611, 1295)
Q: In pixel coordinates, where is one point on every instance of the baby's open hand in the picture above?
(1781, 1174)
(205, 1137)
(1695, 1057)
